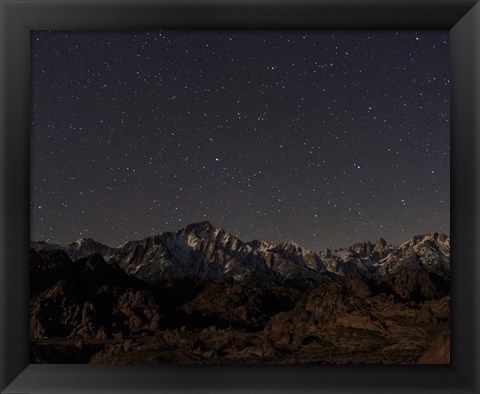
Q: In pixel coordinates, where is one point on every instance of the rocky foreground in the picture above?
(393, 308)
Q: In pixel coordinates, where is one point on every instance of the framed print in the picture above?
(239, 196)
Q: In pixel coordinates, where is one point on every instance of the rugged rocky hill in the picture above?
(85, 298)
(91, 311)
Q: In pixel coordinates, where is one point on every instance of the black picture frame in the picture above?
(19, 17)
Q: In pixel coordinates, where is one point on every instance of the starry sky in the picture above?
(322, 137)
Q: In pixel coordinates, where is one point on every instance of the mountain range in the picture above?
(201, 295)
(203, 251)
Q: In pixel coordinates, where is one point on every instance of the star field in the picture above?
(321, 137)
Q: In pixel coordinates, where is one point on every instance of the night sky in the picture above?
(324, 138)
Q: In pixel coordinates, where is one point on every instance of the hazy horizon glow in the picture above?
(324, 138)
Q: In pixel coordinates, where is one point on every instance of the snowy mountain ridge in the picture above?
(203, 251)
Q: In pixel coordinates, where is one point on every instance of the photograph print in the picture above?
(240, 197)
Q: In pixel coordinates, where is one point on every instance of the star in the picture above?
(134, 133)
